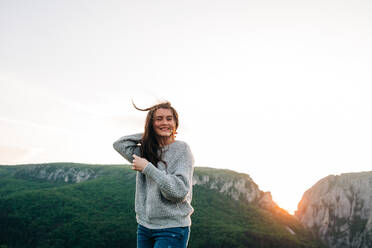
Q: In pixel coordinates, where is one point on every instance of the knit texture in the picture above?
(163, 193)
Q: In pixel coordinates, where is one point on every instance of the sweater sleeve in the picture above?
(128, 145)
(176, 185)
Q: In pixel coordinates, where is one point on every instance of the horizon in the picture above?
(277, 90)
(290, 211)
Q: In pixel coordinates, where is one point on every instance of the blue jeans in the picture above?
(175, 237)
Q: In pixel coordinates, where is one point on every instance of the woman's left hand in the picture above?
(139, 163)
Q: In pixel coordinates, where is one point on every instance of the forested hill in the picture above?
(81, 205)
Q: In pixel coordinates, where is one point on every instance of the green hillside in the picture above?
(41, 208)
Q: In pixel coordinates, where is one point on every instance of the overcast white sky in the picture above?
(280, 90)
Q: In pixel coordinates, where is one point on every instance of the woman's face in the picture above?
(164, 122)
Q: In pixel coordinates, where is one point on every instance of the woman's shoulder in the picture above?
(180, 147)
(180, 144)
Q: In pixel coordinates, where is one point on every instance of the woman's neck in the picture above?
(164, 141)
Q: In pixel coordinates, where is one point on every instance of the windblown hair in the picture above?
(151, 143)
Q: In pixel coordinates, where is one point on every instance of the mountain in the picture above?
(82, 205)
(338, 210)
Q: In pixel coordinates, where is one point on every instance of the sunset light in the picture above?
(279, 91)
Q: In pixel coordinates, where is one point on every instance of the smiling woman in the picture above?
(164, 168)
(164, 123)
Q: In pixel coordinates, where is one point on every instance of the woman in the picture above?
(164, 168)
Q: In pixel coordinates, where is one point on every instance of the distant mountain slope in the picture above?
(338, 209)
(80, 205)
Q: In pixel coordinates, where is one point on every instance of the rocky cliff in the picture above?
(65, 172)
(338, 209)
(236, 185)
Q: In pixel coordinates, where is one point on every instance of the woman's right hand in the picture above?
(139, 164)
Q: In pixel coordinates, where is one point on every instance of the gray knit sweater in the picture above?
(163, 194)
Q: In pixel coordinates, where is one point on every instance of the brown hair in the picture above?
(150, 143)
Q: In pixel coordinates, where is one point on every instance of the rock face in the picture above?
(338, 209)
(236, 185)
(49, 172)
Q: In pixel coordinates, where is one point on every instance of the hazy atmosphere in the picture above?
(280, 90)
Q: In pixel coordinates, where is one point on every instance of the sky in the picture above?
(279, 90)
